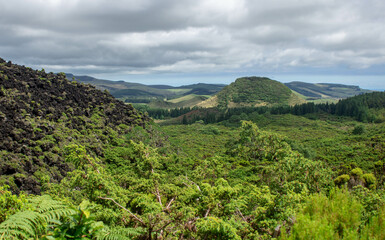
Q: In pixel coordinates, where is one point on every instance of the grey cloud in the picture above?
(193, 35)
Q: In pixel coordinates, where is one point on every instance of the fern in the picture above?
(32, 224)
(23, 225)
(50, 209)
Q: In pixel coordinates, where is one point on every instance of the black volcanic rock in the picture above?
(33, 106)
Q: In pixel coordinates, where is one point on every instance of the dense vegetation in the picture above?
(252, 91)
(364, 108)
(257, 175)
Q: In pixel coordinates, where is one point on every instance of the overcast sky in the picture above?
(186, 41)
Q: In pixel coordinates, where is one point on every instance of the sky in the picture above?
(179, 42)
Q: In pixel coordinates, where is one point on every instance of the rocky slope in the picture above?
(42, 112)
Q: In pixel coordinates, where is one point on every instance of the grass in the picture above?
(179, 90)
(183, 98)
(190, 100)
(199, 141)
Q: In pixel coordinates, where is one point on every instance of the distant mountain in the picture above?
(326, 90)
(249, 91)
(136, 92)
(161, 86)
(117, 87)
(213, 87)
(42, 113)
(253, 91)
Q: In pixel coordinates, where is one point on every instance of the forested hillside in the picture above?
(77, 164)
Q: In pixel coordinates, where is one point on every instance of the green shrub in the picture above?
(370, 180)
(342, 179)
(335, 217)
(375, 229)
(358, 130)
(357, 172)
(10, 203)
(215, 228)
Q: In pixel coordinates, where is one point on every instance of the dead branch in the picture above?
(207, 212)
(169, 203)
(137, 218)
(240, 214)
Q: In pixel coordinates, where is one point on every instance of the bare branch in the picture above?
(137, 218)
(207, 212)
(164, 226)
(169, 203)
(193, 183)
(157, 194)
(240, 214)
(90, 162)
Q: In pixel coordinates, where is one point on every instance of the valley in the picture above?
(164, 96)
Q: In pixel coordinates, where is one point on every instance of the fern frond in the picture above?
(32, 224)
(119, 233)
(23, 225)
(51, 209)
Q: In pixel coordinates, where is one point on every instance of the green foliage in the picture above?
(77, 155)
(32, 224)
(10, 203)
(371, 200)
(375, 229)
(357, 172)
(342, 179)
(335, 217)
(358, 130)
(23, 225)
(274, 157)
(118, 233)
(370, 180)
(214, 228)
(256, 146)
(77, 226)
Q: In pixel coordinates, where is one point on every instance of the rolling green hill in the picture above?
(140, 93)
(248, 91)
(326, 90)
(118, 87)
(253, 91)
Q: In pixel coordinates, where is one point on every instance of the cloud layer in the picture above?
(189, 36)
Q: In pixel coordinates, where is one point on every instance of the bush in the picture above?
(370, 180)
(340, 180)
(357, 172)
(215, 228)
(358, 130)
(335, 217)
(10, 203)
